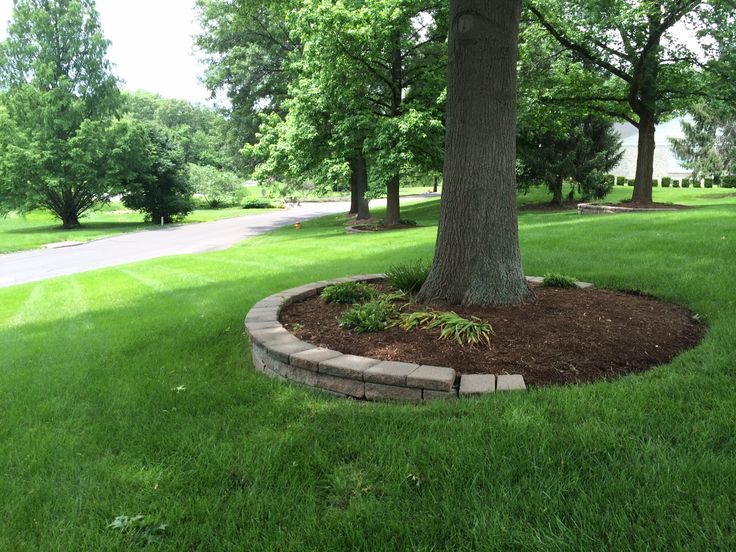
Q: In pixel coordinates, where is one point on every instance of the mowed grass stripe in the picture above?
(235, 459)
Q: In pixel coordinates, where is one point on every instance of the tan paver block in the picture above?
(477, 384)
(343, 386)
(310, 359)
(436, 378)
(347, 366)
(429, 395)
(511, 382)
(380, 392)
(389, 373)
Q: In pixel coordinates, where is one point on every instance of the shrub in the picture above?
(708, 182)
(655, 182)
(451, 325)
(685, 183)
(373, 316)
(666, 181)
(348, 292)
(408, 277)
(631, 182)
(728, 181)
(257, 204)
(552, 279)
(620, 181)
(695, 182)
(217, 187)
(675, 183)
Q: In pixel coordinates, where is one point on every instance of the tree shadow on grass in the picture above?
(89, 226)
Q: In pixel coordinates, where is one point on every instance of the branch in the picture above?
(579, 48)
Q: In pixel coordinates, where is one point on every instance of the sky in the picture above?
(152, 46)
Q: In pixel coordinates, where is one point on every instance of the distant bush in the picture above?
(728, 181)
(620, 180)
(348, 292)
(655, 182)
(217, 187)
(708, 182)
(685, 183)
(408, 277)
(373, 316)
(552, 279)
(610, 180)
(695, 182)
(255, 203)
(666, 181)
(631, 182)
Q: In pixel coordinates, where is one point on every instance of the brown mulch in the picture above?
(560, 336)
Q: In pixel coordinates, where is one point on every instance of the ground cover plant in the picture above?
(553, 279)
(130, 391)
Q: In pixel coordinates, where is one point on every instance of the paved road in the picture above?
(39, 264)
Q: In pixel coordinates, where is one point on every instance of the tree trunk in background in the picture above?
(557, 192)
(361, 182)
(354, 185)
(393, 204)
(434, 189)
(477, 259)
(68, 215)
(644, 161)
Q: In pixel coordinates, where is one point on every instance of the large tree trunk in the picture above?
(68, 213)
(644, 161)
(393, 203)
(360, 172)
(477, 259)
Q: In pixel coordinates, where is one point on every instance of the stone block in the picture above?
(343, 386)
(477, 384)
(585, 285)
(282, 349)
(298, 375)
(253, 326)
(436, 378)
(266, 314)
(429, 395)
(347, 366)
(534, 279)
(510, 382)
(274, 333)
(310, 359)
(380, 392)
(389, 373)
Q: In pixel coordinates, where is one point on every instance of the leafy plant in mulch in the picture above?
(373, 316)
(408, 277)
(552, 279)
(348, 292)
(451, 325)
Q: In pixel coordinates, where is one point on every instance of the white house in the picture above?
(665, 160)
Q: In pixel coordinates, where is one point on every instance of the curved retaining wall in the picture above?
(280, 354)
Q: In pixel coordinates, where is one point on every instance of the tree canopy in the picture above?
(58, 89)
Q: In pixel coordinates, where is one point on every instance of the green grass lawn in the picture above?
(130, 391)
(18, 233)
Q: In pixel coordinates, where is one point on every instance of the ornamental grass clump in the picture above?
(348, 292)
(408, 277)
(451, 325)
(553, 279)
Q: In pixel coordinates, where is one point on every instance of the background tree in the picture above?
(217, 187)
(58, 86)
(638, 44)
(150, 166)
(248, 49)
(708, 146)
(477, 259)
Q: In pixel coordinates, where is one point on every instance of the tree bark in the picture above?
(355, 195)
(557, 192)
(393, 203)
(361, 182)
(477, 259)
(69, 214)
(644, 161)
(434, 188)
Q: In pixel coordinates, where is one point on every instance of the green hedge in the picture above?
(666, 182)
(620, 181)
(685, 183)
(708, 182)
(728, 181)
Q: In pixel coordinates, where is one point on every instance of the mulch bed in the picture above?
(551, 207)
(561, 336)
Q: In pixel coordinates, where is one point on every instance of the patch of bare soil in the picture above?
(560, 336)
